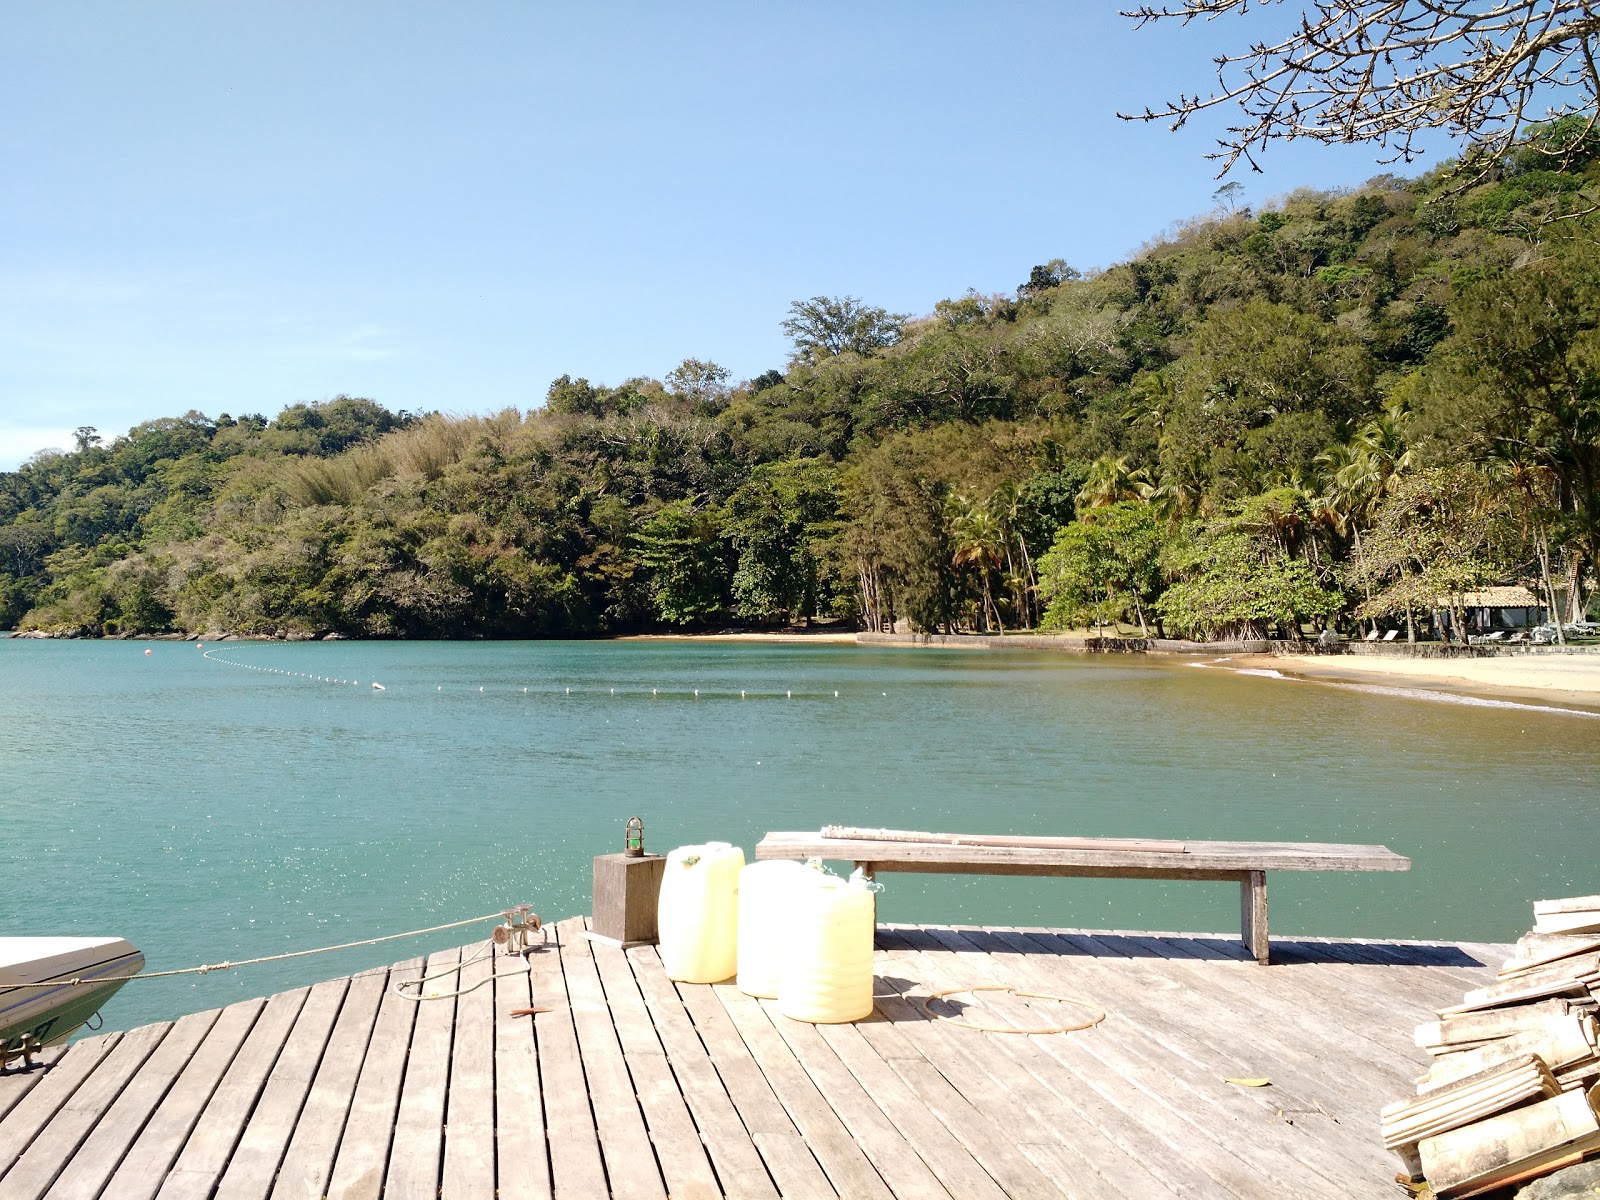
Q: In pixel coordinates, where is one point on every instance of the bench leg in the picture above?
(1253, 914)
(866, 870)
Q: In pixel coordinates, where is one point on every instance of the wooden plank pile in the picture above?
(1514, 1088)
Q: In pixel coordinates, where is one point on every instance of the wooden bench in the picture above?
(1244, 863)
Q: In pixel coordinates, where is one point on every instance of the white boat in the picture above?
(33, 1017)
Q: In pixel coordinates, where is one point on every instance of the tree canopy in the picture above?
(1345, 407)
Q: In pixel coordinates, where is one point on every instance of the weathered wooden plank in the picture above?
(210, 1144)
(415, 1154)
(1253, 915)
(308, 1162)
(85, 1169)
(360, 1162)
(37, 1169)
(685, 1166)
(952, 1161)
(630, 1165)
(145, 1164)
(1257, 1028)
(847, 1166)
(522, 1157)
(16, 1082)
(992, 1075)
(1109, 1103)
(897, 1162)
(469, 1115)
(1199, 856)
(33, 1112)
(834, 833)
(783, 1148)
(1281, 1014)
(576, 1167)
(1187, 1075)
(734, 1153)
(251, 1170)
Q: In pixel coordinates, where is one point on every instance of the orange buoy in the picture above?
(149, 651)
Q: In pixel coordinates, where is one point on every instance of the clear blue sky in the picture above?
(232, 207)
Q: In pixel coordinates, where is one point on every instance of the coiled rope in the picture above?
(205, 968)
(487, 947)
(925, 1001)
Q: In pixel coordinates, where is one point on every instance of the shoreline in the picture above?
(1568, 680)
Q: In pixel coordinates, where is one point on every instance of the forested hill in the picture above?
(1343, 406)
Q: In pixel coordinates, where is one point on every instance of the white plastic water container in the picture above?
(826, 975)
(697, 916)
(768, 892)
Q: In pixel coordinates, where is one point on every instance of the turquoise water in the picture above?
(210, 812)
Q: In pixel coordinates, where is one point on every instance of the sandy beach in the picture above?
(1570, 678)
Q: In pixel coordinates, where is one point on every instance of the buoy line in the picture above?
(207, 968)
(229, 662)
(552, 689)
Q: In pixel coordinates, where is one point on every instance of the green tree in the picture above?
(779, 523)
(828, 326)
(1520, 378)
(681, 547)
(1240, 576)
(1104, 567)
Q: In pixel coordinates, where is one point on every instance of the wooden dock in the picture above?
(632, 1086)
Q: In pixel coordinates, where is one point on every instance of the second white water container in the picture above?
(697, 917)
(768, 892)
(826, 975)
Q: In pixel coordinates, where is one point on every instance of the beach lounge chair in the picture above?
(1371, 637)
(1519, 636)
(1391, 635)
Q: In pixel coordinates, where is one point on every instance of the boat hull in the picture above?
(82, 974)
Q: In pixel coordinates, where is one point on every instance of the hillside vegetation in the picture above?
(1340, 408)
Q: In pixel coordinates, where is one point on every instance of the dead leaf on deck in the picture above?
(1250, 1082)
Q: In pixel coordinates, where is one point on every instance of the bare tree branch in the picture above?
(1382, 72)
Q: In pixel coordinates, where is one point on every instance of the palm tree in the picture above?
(1359, 474)
(1111, 481)
(1007, 505)
(1348, 474)
(977, 543)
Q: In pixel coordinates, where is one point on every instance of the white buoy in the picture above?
(379, 687)
(835, 695)
(569, 691)
(653, 691)
(741, 695)
(697, 693)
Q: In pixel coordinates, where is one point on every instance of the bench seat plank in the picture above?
(1244, 863)
(1201, 860)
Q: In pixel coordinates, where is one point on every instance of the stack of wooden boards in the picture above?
(1512, 1092)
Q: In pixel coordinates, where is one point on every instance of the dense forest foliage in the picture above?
(1345, 407)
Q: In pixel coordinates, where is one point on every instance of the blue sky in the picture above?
(234, 208)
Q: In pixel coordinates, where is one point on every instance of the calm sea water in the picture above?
(206, 811)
